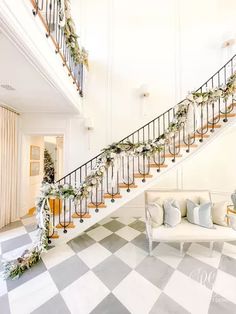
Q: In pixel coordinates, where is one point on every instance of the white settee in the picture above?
(185, 231)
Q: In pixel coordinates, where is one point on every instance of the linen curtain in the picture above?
(9, 210)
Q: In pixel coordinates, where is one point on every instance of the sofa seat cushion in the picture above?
(187, 232)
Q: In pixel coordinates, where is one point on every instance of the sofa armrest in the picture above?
(148, 220)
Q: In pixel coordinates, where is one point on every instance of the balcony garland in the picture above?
(80, 56)
(14, 268)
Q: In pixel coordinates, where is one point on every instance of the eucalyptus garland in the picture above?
(14, 268)
(79, 55)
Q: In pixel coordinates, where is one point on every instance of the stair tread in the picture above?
(124, 185)
(171, 155)
(55, 235)
(67, 225)
(83, 215)
(139, 175)
(112, 196)
(186, 145)
(153, 165)
(98, 205)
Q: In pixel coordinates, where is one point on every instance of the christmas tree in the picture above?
(49, 169)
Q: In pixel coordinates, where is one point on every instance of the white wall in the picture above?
(30, 185)
(173, 46)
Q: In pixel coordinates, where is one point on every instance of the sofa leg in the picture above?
(211, 248)
(181, 248)
(150, 247)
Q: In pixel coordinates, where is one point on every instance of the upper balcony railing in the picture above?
(48, 12)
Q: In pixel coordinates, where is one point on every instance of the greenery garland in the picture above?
(14, 268)
(80, 56)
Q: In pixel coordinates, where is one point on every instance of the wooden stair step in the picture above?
(158, 166)
(112, 196)
(67, 225)
(82, 215)
(210, 126)
(99, 205)
(125, 186)
(139, 175)
(55, 235)
(186, 146)
(222, 116)
(200, 136)
(171, 156)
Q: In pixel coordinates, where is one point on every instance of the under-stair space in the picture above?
(130, 175)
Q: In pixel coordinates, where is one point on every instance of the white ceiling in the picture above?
(33, 93)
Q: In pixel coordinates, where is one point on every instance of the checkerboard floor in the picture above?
(107, 270)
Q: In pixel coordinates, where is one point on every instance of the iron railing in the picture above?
(132, 167)
(48, 13)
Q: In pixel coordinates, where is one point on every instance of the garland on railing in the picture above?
(66, 21)
(14, 268)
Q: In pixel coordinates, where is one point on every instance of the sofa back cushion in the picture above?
(197, 196)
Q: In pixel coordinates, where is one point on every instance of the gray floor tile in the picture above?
(228, 264)
(218, 246)
(15, 243)
(12, 225)
(36, 270)
(198, 271)
(68, 271)
(114, 225)
(138, 225)
(93, 227)
(220, 305)
(112, 271)
(142, 242)
(156, 271)
(232, 242)
(165, 305)
(31, 227)
(55, 305)
(176, 245)
(110, 305)
(4, 304)
(80, 243)
(113, 242)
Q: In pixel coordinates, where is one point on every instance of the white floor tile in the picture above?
(126, 220)
(3, 286)
(29, 220)
(229, 250)
(168, 254)
(105, 220)
(127, 233)
(225, 285)
(94, 255)
(202, 253)
(190, 294)
(10, 234)
(17, 252)
(83, 295)
(57, 255)
(136, 293)
(30, 295)
(99, 233)
(131, 254)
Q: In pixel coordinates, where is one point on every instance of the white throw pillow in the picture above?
(219, 211)
(156, 210)
(172, 213)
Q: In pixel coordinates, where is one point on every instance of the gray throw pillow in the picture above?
(172, 213)
(200, 214)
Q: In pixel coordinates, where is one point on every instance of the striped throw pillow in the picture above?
(200, 214)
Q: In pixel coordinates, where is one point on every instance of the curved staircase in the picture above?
(133, 174)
